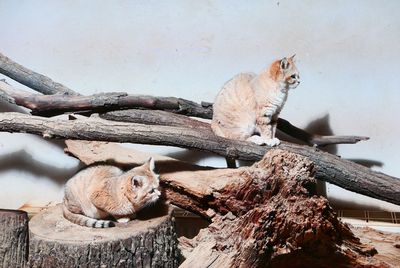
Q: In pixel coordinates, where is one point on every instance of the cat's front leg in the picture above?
(123, 220)
(275, 140)
(267, 128)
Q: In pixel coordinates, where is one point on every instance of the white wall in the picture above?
(347, 54)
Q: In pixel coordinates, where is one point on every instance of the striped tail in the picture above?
(86, 221)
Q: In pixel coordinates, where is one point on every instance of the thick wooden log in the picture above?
(56, 104)
(31, 79)
(266, 215)
(149, 241)
(330, 168)
(13, 238)
(271, 218)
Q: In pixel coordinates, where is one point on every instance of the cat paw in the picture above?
(256, 139)
(123, 220)
(272, 142)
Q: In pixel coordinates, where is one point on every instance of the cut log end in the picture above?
(147, 241)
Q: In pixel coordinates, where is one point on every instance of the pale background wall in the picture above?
(347, 51)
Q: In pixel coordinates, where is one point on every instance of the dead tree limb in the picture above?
(168, 119)
(31, 79)
(266, 215)
(55, 104)
(330, 168)
(47, 86)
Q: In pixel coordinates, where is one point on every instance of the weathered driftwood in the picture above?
(149, 241)
(13, 238)
(266, 215)
(56, 104)
(330, 168)
(30, 78)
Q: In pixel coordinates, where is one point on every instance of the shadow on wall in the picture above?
(22, 160)
(321, 126)
(190, 156)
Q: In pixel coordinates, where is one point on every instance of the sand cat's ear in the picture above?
(284, 64)
(292, 58)
(150, 163)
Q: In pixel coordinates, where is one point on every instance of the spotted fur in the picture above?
(98, 195)
(248, 105)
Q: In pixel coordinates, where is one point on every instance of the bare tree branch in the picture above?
(169, 119)
(330, 168)
(56, 104)
(31, 79)
(108, 101)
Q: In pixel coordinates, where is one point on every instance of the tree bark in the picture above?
(31, 79)
(13, 238)
(266, 215)
(170, 119)
(330, 168)
(144, 242)
(58, 104)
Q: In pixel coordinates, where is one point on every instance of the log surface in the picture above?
(147, 242)
(330, 168)
(13, 238)
(266, 215)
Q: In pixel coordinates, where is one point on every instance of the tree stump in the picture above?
(148, 241)
(13, 238)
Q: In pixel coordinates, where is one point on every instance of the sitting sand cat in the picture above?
(102, 192)
(249, 104)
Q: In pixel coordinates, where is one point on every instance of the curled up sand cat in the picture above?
(248, 105)
(97, 195)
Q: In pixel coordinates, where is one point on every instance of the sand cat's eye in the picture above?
(293, 76)
(152, 191)
(137, 181)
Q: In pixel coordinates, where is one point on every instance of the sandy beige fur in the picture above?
(248, 105)
(100, 193)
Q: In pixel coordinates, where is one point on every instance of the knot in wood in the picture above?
(47, 134)
(232, 152)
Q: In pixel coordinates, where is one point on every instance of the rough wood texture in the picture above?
(266, 215)
(330, 168)
(170, 119)
(145, 242)
(387, 244)
(13, 238)
(57, 104)
(30, 78)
